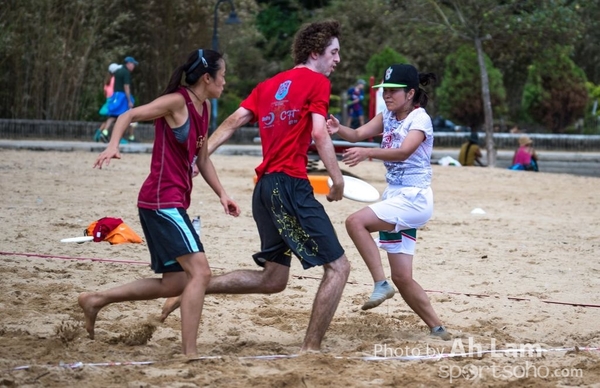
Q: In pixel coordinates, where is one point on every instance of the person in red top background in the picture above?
(181, 117)
(291, 109)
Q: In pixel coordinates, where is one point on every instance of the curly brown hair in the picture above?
(313, 38)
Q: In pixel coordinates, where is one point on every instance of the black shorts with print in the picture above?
(290, 220)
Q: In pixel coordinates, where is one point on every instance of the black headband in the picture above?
(197, 61)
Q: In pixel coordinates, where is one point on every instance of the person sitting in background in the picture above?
(525, 157)
(470, 153)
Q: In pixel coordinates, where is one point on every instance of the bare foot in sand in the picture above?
(308, 350)
(171, 304)
(90, 306)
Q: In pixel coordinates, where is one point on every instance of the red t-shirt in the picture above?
(169, 184)
(283, 105)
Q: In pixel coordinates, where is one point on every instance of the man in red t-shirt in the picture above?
(291, 109)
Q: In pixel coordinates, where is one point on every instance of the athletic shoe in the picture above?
(441, 332)
(123, 141)
(380, 294)
(104, 138)
(97, 135)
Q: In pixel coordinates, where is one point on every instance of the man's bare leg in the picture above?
(272, 279)
(144, 289)
(170, 305)
(326, 302)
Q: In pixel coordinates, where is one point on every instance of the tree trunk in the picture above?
(487, 107)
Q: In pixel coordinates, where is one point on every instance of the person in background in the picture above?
(122, 99)
(515, 129)
(407, 202)
(525, 157)
(291, 109)
(379, 101)
(181, 116)
(109, 87)
(470, 152)
(356, 95)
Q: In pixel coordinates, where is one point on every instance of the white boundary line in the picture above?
(436, 357)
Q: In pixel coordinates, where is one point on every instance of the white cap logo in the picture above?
(388, 73)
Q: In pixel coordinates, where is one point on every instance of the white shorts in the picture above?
(405, 207)
(400, 242)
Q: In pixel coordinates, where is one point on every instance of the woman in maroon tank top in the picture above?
(181, 116)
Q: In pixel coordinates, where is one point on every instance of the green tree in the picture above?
(464, 104)
(381, 61)
(586, 54)
(278, 22)
(555, 93)
(46, 50)
(592, 114)
(524, 32)
(54, 53)
(368, 27)
(484, 22)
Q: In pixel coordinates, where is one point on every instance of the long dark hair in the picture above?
(421, 97)
(198, 63)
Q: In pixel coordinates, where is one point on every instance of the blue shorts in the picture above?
(355, 112)
(169, 234)
(104, 109)
(290, 220)
(117, 104)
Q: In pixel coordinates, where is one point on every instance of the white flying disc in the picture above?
(79, 239)
(357, 189)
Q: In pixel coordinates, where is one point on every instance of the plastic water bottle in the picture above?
(197, 225)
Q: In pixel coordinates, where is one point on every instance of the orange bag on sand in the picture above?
(121, 234)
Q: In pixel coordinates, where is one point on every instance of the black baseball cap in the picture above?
(400, 76)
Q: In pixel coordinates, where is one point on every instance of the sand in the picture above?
(494, 279)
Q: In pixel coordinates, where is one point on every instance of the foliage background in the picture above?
(54, 53)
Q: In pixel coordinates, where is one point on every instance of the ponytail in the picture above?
(198, 63)
(421, 97)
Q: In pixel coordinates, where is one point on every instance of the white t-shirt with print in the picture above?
(416, 170)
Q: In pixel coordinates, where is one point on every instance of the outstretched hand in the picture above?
(355, 155)
(106, 155)
(333, 125)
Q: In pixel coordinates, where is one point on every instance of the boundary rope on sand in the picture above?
(431, 357)
(117, 261)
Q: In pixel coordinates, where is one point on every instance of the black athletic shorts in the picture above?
(290, 220)
(169, 235)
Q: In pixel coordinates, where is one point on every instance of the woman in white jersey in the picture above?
(407, 202)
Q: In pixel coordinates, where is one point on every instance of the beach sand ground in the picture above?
(498, 281)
